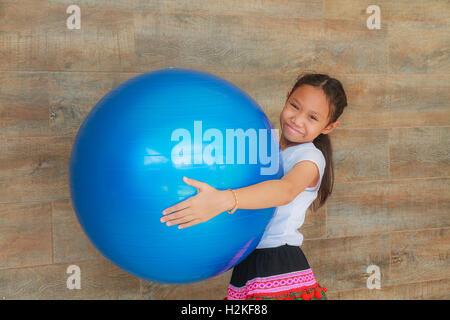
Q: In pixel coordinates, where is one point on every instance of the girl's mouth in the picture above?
(292, 130)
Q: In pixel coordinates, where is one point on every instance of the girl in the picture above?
(277, 268)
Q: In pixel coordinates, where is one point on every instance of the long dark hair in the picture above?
(337, 101)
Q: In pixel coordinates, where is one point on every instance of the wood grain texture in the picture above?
(360, 155)
(99, 280)
(417, 100)
(314, 225)
(395, 100)
(426, 290)
(210, 289)
(34, 36)
(73, 94)
(420, 255)
(341, 263)
(96, 3)
(253, 43)
(24, 104)
(34, 168)
(366, 106)
(419, 47)
(70, 243)
(25, 234)
(419, 152)
(105, 41)
(362, 208)
(23, 44)
(307, 9)
(412, 10)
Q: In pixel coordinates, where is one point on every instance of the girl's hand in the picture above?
(205, 205)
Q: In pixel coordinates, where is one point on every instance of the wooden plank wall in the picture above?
(390, 205)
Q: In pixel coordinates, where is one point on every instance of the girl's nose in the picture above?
(298, 123)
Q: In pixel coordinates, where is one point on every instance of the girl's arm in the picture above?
(209, 202)
(266, 194)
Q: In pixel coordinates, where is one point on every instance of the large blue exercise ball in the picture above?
(131, 153)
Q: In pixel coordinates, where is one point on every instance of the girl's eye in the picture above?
(297, 109)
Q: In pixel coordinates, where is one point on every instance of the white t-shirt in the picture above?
(282, 228)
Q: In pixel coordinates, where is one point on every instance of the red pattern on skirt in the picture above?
(288, 286)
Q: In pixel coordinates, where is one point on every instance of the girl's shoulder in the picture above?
(302, 150)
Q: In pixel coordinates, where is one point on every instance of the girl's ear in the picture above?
(330, 127)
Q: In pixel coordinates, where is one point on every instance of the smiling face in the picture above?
(304, 116)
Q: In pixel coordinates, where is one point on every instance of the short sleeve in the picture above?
(314, 155)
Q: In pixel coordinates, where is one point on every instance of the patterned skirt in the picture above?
(280, 273)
